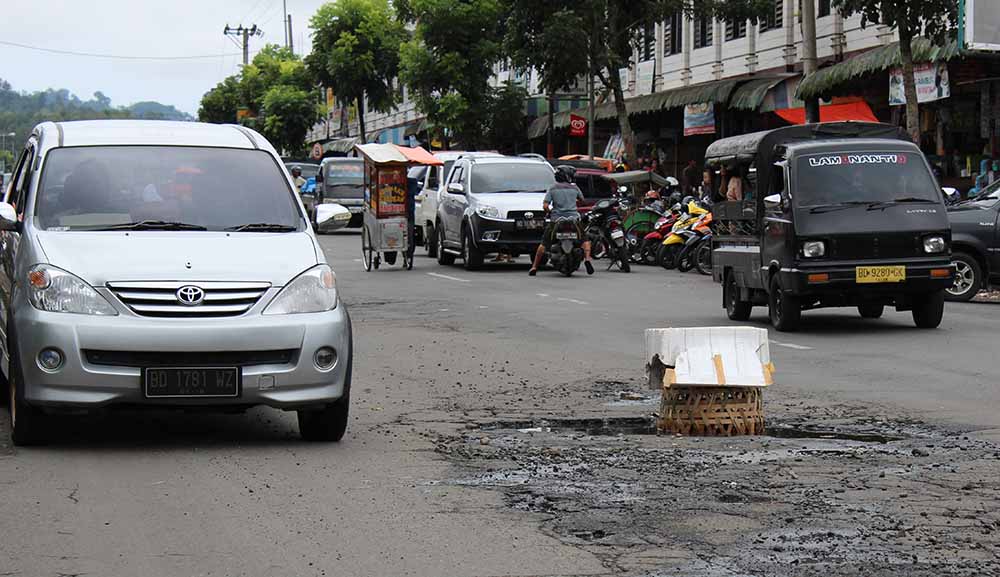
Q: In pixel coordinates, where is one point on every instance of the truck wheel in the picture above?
(927, 312)
(968, 278)
(471, 255)
(444, 258)
(326, 424)
(736, 309)
(431, 241)
(871, 310)
(784, 309)
(26, 422)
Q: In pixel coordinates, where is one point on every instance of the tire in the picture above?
(367, 256)
(444, 257)
(968, 278)
(647, 254)
(27, 424)
(431, 241)
(685, 262)
(623, 256)
(598, 248)
(666, 255)
(927, 313)
(736, 309)
(871, 311)
(784, 309)
(327, 424)
(471, 256)
(703, 258)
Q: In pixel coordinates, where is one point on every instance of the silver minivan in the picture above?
(166, 264)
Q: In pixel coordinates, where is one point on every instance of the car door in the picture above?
(17, 194)
(453, 205)
(778, 234)
(994, 247)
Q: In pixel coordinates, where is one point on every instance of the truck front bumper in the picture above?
(840, 279)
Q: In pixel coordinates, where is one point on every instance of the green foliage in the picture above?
(449, 62)
(932, 19)
(356, 52)
(506, 121)
(277, 92)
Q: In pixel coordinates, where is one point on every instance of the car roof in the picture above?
(343, 159)
(500, 159)
(152, 133)
(847, 144)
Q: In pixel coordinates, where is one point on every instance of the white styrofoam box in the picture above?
(393, 233)
(743, 352)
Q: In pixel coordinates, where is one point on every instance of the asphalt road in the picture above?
(438, 351)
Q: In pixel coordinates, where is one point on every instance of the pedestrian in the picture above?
(706, 190)
(689, 177)
(654, 166)
(723, 182)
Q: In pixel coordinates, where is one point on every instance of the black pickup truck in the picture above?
(834, 215)
(975, 243)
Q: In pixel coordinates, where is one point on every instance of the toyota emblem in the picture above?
(190, 295)
(529, 215)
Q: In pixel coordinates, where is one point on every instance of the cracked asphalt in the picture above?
(500, 426)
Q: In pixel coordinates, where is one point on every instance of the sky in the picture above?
(138, 28)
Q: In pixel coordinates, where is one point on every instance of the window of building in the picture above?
(823, 9)
(775, 18)
(673, 34)
(736, 30)
(647, 42)
(702, 31)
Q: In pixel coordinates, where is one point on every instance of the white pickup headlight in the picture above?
(488, 211)
(55, 290)
(934, 244)
(313, 291)
(813, 249)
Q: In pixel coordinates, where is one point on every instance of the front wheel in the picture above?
(326, 424)
(703, 258)
(647, 254)
(666, 255)
(471, 255)
(367, 254)
(784, 309)
(444, 257)
(27, 424)
(929, 310)
(968, 278)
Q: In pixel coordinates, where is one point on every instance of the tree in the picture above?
(219, 105)
(288, 112)
(506, 120)
(565, 40)
(448, 63)
(356, 52)
(935, 18)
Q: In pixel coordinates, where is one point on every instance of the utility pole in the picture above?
(809, 54)
(590, 95)
(245, 34)
(291, 40)
(284, 10)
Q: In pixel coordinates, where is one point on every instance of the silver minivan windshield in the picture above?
(164, 188)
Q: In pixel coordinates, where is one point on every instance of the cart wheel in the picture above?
(366, 249)
(377, 260)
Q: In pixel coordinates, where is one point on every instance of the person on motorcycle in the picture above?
(560, 202)
(652, 201)
(297, 177)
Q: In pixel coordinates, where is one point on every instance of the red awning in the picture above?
(831, 113)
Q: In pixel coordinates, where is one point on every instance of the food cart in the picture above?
(387, 230)
(639, 220)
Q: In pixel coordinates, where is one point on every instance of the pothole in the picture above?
(786, 432)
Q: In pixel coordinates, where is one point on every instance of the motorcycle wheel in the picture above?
(623, 259)
(598, 247)
(703, 258)
(647, 254)
(667, 255)
(684, 262)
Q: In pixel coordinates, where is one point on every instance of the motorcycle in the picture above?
(566, 250)
(652, 241)
(669, 251)
(688, 257)
(603, 227)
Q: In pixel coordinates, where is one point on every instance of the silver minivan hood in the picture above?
(507, 201)
(102, 257)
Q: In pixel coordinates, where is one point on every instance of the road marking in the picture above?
(543, 295)
(792, 346)
(574, 301)
(444, 276)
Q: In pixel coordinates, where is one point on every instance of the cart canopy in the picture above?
(635, 177)
(392, 153)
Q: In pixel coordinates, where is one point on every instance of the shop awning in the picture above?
(389, 153)
(871, 61)
(859, 111)
(751, 95)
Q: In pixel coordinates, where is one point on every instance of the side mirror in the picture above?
(774, 202)
(319, 177)
(8, 217)
(622, 189)
(331, 217)
(951, 195)
(456, 188)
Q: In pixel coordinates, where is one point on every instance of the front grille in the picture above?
(159, 299)
(875, 246)
(189, 359)
(520, 214)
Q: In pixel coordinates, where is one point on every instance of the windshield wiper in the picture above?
(837, 206)
(153, 225)
(262, 227)
(883, 204)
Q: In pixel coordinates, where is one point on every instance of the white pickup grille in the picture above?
(160, 299)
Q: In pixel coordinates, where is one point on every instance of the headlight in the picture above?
(313, 291)
(55, 290)
(813, 249)
(488, 211)
(934, 244)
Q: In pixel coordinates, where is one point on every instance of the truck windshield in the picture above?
(863, 177)
(520, 177)
(164, 187)
(345, 173)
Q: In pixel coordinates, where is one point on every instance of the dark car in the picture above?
(975, 243)
(839, 215)
(341, 181)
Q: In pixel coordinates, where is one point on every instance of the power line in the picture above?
(112, 56)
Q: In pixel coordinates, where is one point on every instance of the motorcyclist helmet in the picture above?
(674, 198)
(687, 200)
(672, 183)
(652, 196)
(565, 173)
(296, 171)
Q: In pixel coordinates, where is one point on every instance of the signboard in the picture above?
(981, 28)
(317, 152)
(391, 191)
(242, 113)
(699, 118)
(932, 83)
(577, 126)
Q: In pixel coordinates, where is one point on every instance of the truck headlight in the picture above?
(934, 244)
(57, 291)
(313, 291)
(488, 211)
(813, 249)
